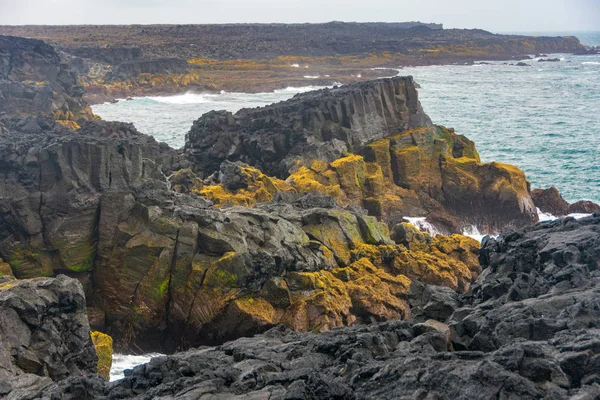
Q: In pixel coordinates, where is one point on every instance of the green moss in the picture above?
(222, 278)
(85, 265)
(162, 289)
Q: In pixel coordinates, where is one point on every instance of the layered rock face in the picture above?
(319, 125)
(44, 334)
(527, 329)
(402, 165)
(33, 80)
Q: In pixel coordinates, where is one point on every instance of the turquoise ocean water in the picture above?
(544, 118)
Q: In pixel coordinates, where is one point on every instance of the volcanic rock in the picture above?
(33, 79)
(550, 201)
(44, 334)
(583, 207)
(319, 125)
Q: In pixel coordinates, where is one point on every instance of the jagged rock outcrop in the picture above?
(52, 181)
(550, 201)
(388, 360)
(44, 334)
(319, 125)
(34, 80)
(537, 283)
(163, 269)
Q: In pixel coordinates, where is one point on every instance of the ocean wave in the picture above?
(312, 76)
(544, 217)
(590, 63)
(187, 98)
(121, 362)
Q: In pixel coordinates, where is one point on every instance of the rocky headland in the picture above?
(284, 221)
(123, 61)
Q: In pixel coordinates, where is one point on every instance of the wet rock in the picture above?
(583, 207)
(550, 201)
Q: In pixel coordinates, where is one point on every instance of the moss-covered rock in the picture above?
(5, 269)
(251, 186)
(104, 349)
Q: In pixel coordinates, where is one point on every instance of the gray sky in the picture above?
(493, 15)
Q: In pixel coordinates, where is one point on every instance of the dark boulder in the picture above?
(536, 283)
(583, 207)
(44, 334)
(550, 201)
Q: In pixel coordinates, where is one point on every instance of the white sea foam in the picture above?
(590, 63)
(421, 224)
(549, 217)
(473, 232)
(121, 362)
(311, 76)
(187, 98)
(295, 65)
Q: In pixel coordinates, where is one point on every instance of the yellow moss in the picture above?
(261, 188)
(305, 180)
(104, 349)
(5, 269)
(256, 308)
(69, 124)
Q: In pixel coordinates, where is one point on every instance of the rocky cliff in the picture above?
(34, 80)
(319, 125)
(402, 164)
(527, 329)
(44, 334)
(163, 269)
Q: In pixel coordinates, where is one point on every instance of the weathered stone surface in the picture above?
(536, 283)
(527, 329)
(431, 302)
(320, 125)
(33, 80)
(385, 361)
(550, 201)
(583, 207)
(44, 333)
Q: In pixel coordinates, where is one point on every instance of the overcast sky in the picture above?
(493, 15)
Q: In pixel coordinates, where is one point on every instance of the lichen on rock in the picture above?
(104, 349)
